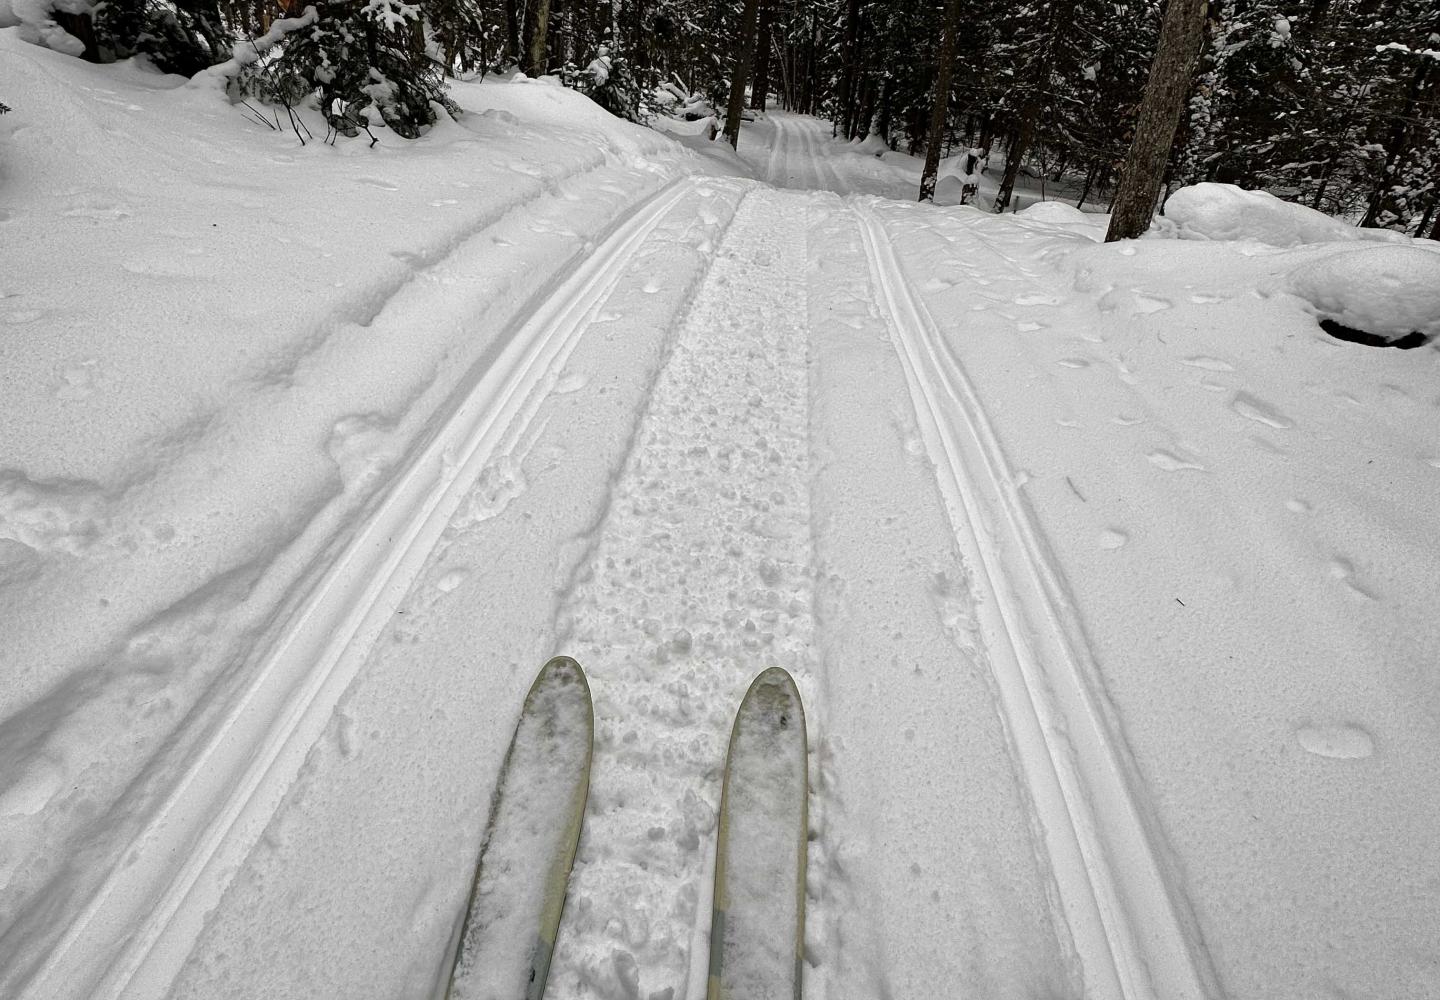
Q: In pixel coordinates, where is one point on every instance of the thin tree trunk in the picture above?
(512, 31)
(1425, 219)
(1029, 113)
(1089, 179)
(1171, 75)
(744, 59)
(883, 119)
(848, 61)
(940, 103)
(761, 88)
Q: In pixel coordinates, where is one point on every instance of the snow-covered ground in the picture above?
(1108, 577)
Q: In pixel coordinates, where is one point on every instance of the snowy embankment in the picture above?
(220, 349)
(1105, 574)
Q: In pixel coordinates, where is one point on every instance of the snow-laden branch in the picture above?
(1401, 47)
(245, 53)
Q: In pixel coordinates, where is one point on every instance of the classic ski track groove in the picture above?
(134, 934)
(1134, 938)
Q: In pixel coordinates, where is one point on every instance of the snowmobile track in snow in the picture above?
(135, 933)
(1133, 934)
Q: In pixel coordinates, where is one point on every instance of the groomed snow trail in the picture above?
(699, 577)
(1132, 931)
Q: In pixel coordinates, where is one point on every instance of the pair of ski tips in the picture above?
(757, 926)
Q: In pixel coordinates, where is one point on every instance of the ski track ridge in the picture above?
(1132, 931)
(135, 932)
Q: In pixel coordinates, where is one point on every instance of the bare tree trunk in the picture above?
(940, 104)
(537, 24)
(1029, 113)
(1425, 219)
(761, 89)
(512, 31)
(848, 46)
(1171, 74)
(744, 59)
(1089, 179)
(882, 120)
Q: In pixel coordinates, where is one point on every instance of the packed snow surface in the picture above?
(1106, 575)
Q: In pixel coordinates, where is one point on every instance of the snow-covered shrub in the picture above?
(350, 56)
(609, 82)
(179, 36)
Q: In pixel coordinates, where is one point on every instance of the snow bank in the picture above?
(1389, 291)
(871, 145)
(1225, 212)
(1057, 213)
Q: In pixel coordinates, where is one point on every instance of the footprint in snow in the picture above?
(1171, 462)
(1205, 299)
(1207, 363)
(34, 783)
(1073, 363)
(1253, 408)
(377, 183)
(1343, 570)
(1336, 740)
(1111, 539)
(1266, 445)
(1297, 506)
(1151, 304)
(451, 580)
(570, 382)
(77, 381)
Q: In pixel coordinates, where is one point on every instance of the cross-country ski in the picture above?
(520, 882)
(757, 930)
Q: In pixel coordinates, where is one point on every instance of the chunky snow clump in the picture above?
(1388, 291)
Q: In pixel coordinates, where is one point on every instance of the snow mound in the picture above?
(1225, 212)
(949, 190)
(1057, 212)
(871, 145)
(1389, 291)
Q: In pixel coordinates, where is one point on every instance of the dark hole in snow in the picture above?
(784, 720)
(1348, 333)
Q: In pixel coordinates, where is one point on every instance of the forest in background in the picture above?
(1334, 104)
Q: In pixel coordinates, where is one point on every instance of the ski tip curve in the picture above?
(562, 670)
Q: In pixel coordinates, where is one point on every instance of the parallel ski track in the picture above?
(134, 935)
(790, 135)
(1134, 937)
